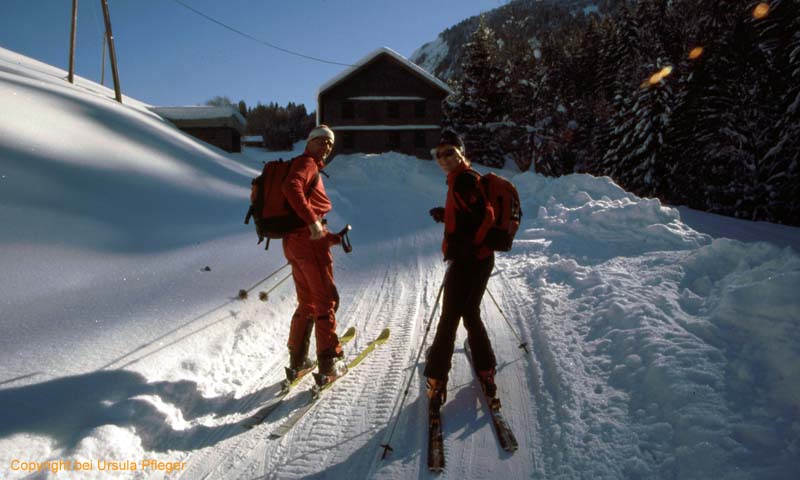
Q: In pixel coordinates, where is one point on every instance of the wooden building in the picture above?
(220, 126)
(383, 103)
(253, 141)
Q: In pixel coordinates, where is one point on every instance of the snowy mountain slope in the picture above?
(656, 351)
(444, 56)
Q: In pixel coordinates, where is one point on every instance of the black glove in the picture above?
(438, 214)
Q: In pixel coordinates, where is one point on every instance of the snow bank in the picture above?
(749, 294)
(594, 217)
(688, 344)
(383, 196)
(130, 177)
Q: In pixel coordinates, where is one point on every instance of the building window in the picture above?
(348, 141)
(393, 110)
(419, 139)
(348, 110)
(420, 110)
(393, 140)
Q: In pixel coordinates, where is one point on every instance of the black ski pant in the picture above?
(464, 286)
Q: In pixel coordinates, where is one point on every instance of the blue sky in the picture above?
(168, 55)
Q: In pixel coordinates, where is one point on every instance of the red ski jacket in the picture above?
(302, 172)
(467, 216)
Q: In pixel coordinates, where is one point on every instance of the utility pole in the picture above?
(111, 51)
(72, 41)
(103, 62)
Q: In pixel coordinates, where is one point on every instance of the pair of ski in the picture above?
(287, 386)
(322, 383)
(505, 436)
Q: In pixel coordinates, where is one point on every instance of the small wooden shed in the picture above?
(222, 127)
(383, 103)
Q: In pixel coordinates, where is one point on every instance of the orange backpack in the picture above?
(273, 215)
(503, 196)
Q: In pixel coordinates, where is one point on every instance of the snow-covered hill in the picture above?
(528, 19)
(657, 351)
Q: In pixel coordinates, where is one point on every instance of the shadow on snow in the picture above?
(67, 409)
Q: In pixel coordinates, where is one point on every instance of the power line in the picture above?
(290, 52)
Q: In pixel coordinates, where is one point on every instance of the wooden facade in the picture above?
(383, 103)
(219, 126)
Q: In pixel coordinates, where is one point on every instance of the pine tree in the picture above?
(621, 56)
(735, 114)
(280, 126)
(620, 73)
(476, 106)
(637, 157)
(589, 109)
(779, 40)
(220, 101)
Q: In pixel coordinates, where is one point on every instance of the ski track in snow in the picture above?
(329, 430)
(343, 433)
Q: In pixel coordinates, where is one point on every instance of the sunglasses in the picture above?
(446, 153)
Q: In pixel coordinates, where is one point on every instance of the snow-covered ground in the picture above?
(658, 351)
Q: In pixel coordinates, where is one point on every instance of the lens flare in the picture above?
(761, 11)
(660, 75)
(695, 53)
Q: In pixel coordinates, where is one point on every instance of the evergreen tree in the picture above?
(699, 170)
(477, 104)
(220, 101)
(621, 56)
(736, 115)
(637, 156)
(280, 126)
(779, 40)
(588, 109)
(720, 133)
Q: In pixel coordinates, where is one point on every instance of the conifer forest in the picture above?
(696, 103)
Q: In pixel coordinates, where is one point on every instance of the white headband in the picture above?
(321, 131)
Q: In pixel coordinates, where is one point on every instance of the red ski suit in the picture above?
(311, 261)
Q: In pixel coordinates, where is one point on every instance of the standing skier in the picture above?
(470, 263)
(308, 252)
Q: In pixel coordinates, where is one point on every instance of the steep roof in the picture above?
(368, 58)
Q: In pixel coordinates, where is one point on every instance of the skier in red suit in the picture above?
(308, 251)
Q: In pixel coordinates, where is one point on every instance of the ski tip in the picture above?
(348, 334)
(383, 336)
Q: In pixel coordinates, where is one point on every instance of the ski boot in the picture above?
(486, 378)
(437, 394)
(296, 370)
(331, 367)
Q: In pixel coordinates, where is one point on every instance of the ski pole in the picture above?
(522, 345)
(243, 293)
(346, 245)
(387, 446)
(264, 296)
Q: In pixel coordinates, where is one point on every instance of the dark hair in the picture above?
(450, 137)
